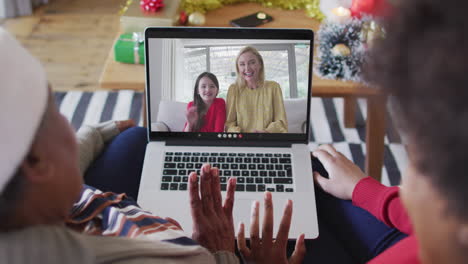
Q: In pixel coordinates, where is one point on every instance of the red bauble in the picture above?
(151, 5)
(183, 18)
(370, 7)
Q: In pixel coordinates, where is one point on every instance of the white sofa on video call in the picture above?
(171, 116)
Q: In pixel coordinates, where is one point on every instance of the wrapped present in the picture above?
(134, 19)
(130, 48)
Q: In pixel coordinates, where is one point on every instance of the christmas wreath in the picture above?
(341, 50)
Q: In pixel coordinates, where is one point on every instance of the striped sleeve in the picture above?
(110, 214)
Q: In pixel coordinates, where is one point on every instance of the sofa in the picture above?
(171, 116)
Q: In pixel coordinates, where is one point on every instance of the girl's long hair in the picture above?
(198, 101)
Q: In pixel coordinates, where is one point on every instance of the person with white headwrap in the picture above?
(43, 202)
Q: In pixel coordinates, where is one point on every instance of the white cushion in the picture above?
(172, 114)
(296, 113)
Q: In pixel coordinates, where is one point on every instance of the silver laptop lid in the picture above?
(228, 86)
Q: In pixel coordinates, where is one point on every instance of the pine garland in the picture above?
(311, 6)
(333, 66)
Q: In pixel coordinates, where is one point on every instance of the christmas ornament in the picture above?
(339, 15)
(182, 19)
(124, 7)
(151, 6)
(196, 19)
(326, 6)
(341, 53)
(340, 50)
(370, 7)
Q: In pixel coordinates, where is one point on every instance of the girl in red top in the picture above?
(206, 113)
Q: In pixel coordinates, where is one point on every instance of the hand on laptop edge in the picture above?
(213, 225)
(266, 249)
(343, 174)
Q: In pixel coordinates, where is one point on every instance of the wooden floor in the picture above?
(72, 39)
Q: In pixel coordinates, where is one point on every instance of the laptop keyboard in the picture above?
(255, 172)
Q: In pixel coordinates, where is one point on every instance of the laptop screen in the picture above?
(228, 84)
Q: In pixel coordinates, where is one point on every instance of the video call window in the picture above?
(219, 60)
(175, 65)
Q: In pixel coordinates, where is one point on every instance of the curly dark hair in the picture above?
(423, 64)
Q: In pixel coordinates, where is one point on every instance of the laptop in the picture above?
(274, 158)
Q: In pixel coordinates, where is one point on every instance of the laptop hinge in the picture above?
(211, 143)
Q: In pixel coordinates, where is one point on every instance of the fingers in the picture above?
(195, 202)
(229, 201)
(299, 251)
(205, 189)
(321, 181)
(124, 124)
(216, 190)
(283, 232)
(267, 230)
(325, 157)
(254, 227)
(329, 148)
(241, 245)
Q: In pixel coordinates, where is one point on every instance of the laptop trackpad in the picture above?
(243, 209)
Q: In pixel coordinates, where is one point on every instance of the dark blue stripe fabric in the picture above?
(80, 111)
(392, 133)
(135, 108)
(360, 124)
(329, 108)
(394, 174)
(59, 98)
(109, 107)
(358, 155)
(330, 111)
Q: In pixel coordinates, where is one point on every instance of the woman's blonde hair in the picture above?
(261, 76)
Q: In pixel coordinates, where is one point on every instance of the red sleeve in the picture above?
(383, 202)
(188, 107)
(220, 118)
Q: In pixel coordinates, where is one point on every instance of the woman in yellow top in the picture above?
(253, 104)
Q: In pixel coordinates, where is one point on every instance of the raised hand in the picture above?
(266, 249)
(192, 115)
(213, 225)
(343, 174)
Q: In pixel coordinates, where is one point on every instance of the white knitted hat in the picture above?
(23, 100)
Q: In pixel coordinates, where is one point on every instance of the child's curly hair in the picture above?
(423, 64)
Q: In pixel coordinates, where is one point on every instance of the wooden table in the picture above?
(128, 76)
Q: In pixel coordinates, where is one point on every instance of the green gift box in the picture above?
(130, 48)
